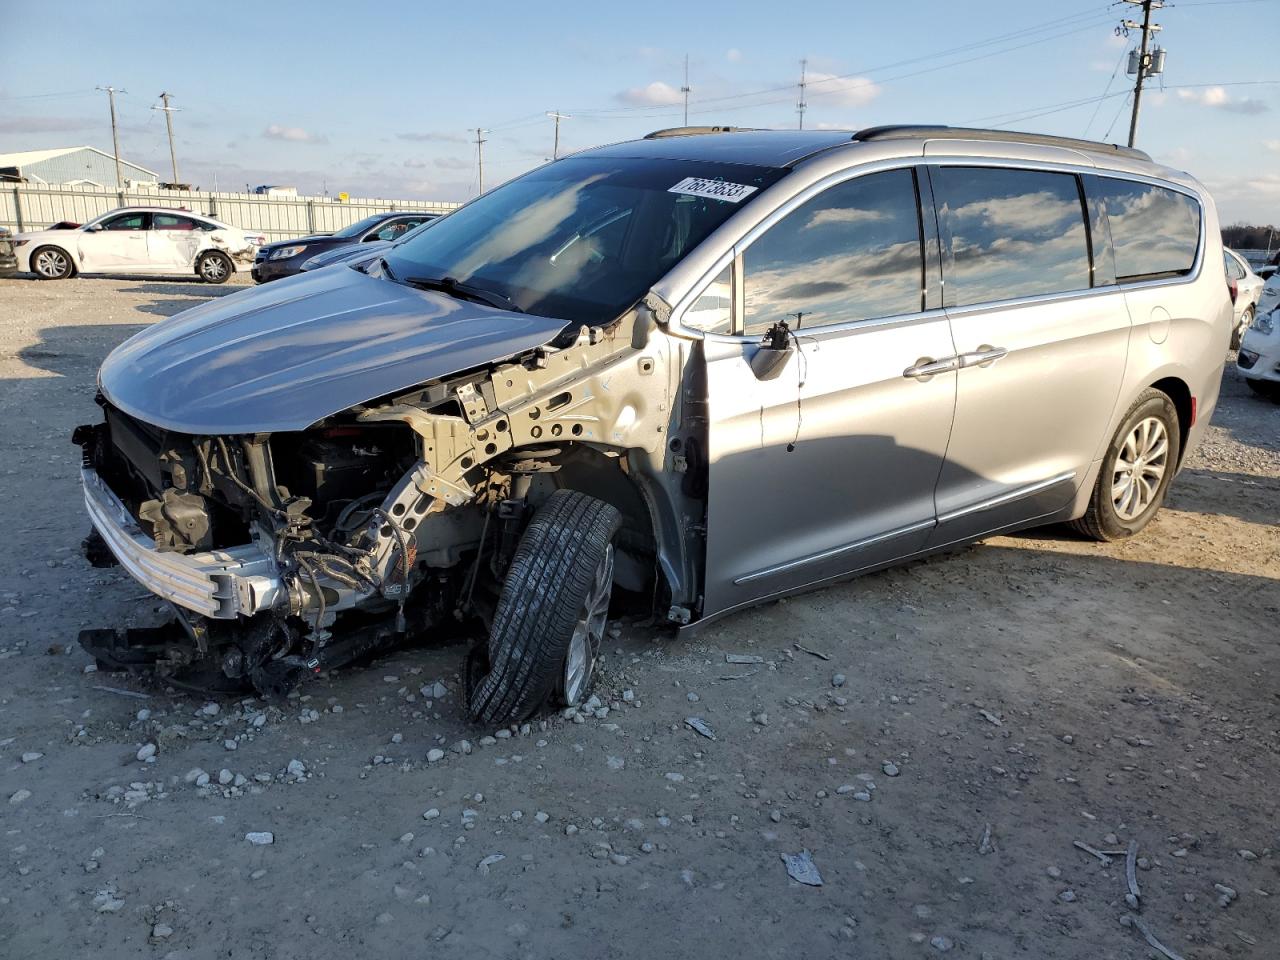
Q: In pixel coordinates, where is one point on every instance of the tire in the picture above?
(213, 266)
(1267, 389)
(1113, 515)
(1237, 334)
(52, 263)
(554, 602)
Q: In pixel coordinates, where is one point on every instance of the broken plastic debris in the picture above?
(484, 865)
(742, 658)
(802, 869)
(701, 726)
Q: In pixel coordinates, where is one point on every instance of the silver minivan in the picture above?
(683, 374)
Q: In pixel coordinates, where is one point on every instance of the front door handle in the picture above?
(927, 367)
(984, 356)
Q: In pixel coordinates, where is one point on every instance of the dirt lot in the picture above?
(1049, 689)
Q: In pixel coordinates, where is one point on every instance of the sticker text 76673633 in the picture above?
(714, 189)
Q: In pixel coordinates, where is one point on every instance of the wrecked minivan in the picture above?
(698, 371)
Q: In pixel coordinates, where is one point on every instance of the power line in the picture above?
(1107, 89)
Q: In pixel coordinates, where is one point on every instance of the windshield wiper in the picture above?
(464, 291)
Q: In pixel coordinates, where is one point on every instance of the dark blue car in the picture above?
(284, 258)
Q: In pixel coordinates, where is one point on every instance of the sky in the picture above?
(383, 100)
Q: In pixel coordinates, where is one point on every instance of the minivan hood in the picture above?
(282, 356)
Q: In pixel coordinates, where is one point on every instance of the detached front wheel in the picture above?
(551, 615)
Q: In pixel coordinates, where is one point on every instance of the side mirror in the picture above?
(93, 228)
(772, 356)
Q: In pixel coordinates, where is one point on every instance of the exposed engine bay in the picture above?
(284, 554)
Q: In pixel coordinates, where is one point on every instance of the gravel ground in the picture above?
(972, 717)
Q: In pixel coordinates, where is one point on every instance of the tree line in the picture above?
(1243, 236)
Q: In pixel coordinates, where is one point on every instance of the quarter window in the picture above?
(1009, 233)
(851, 253)
(1155, 231)
(712, 312)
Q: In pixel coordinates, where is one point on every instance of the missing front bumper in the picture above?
(222, 584)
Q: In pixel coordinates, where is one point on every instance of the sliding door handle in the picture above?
(984, 356)
(927, 367)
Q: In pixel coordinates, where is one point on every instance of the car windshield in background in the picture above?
(582, 238)
(358, 228)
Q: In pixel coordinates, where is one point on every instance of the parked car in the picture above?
(284, 258)
(141, 240)
(8, 259)
(710, 368)
(1269, 299)
(356, 254)
(1259, 358)
(1246, 289)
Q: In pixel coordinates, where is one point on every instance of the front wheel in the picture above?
(1136, 471)
(1237, 334)
(550, 619)
(214, 267)
(51, 263)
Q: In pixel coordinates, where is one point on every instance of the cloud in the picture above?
(1272, 145)
(42, 124)
(842, 91)
(431, 136)
(733, 55)
(293, 134)
(656, 94)
(1219, 99)
(452, 163)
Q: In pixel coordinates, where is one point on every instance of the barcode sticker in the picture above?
(714, 189)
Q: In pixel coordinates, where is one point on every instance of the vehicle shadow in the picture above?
(76, 351)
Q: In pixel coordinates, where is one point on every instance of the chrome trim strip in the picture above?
(219, 583)
(1015, 494)
(833, 552)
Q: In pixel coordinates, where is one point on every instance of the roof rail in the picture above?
(941, 132)
(693, 131)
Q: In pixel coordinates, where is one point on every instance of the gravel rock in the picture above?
(838, 680)
(260, 838)
(19, 796)
(941, 943)
(435, 755)
(296, 769)
(431, 814)
(890, 769)
(1067, 896)
(147, 752)
(31, 756)
(161, 931)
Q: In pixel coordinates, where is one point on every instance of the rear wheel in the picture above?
(1237, 334)
(214, 267)
(1136, 471)
(550, 619)
(51, 263)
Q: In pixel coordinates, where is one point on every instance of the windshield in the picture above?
(358, 228)
(582, 238)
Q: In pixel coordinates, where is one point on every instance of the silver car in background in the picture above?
(1246, 291)
(707, 368)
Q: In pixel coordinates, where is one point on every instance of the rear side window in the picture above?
(169, 221)
(1234, 270)
(1155, 231)
(1009, 233)
(851, 253)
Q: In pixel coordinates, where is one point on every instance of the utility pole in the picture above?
(480, 154)
(557, 116)
(801, 105)
(168, 122)
(1144, 58)
(115, 131)
(686, 89)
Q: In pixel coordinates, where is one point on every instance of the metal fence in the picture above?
(32, 207)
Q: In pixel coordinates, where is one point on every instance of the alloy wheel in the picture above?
(1140, 468)
(588, 632)
(213, 268)
(52, 263)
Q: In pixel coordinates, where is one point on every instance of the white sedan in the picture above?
(141, 240)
